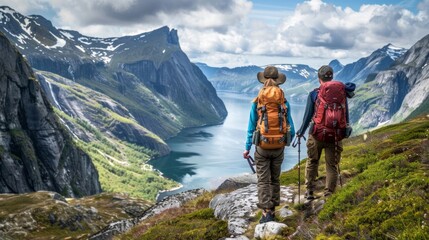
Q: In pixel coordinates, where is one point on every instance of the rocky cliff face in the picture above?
(396, 93)
(36, 152)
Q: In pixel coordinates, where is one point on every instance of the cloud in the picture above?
(233, 30)
(199, 14)
(316, 24)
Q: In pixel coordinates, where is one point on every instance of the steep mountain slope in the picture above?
(148, 73)
(107, 131)
(396, 93)
(36, 152)
(367, 67)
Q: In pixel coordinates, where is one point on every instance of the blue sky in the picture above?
(249, 32)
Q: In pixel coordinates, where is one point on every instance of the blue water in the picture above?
(206, 156)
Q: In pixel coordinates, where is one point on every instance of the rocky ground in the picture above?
(45, 215)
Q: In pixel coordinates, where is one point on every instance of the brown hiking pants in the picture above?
(268, 168)
(314, 150)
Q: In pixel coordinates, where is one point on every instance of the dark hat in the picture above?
(271, 72)
(326, 73)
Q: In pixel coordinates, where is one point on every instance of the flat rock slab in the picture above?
(239, 206)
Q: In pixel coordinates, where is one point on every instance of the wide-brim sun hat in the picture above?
(273, 73)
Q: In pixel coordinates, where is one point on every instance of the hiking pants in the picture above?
(268, 168)
(314, 150)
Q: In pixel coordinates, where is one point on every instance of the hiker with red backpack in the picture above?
(327, 117)
(270, 128)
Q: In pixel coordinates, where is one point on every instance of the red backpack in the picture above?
(330, 112)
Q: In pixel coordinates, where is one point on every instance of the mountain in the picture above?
(397, 93)
(366, 68)
(36, 151)
(336, 66)
(243, 79)
(148, 73)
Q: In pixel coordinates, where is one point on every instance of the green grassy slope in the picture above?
(386, 195)
(122, 166)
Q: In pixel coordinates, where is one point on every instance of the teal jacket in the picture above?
(254, 119)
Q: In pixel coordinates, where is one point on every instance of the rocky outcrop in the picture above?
(239, 207)
(36, 151)
(237, 182)
(173, 201)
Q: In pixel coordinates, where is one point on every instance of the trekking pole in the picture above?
(251, 163)
(298, 142)
(339, 174)
(338, 163)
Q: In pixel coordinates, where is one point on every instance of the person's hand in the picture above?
(246, 154)
(298, 135)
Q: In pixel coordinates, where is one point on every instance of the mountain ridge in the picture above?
(366, 67)
(118, 66)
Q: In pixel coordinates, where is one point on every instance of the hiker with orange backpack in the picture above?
(270, 128)
(327, 117)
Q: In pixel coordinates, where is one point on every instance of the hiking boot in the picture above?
(267, 216)
(273, 211)
(327, 194)
(309, 195)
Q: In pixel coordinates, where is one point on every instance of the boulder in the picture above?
(237, 182)
(269, 229)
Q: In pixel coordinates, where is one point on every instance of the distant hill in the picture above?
(300, 78)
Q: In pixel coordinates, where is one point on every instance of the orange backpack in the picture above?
(272, 129)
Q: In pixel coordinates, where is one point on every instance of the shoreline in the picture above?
(167, 190)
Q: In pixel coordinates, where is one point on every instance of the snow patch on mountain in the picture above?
(84, 40)
(67, 35)
(304, 73)
(285, 67)
(60, 42)
(395, 52)
(113, 48)
(80, 48)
